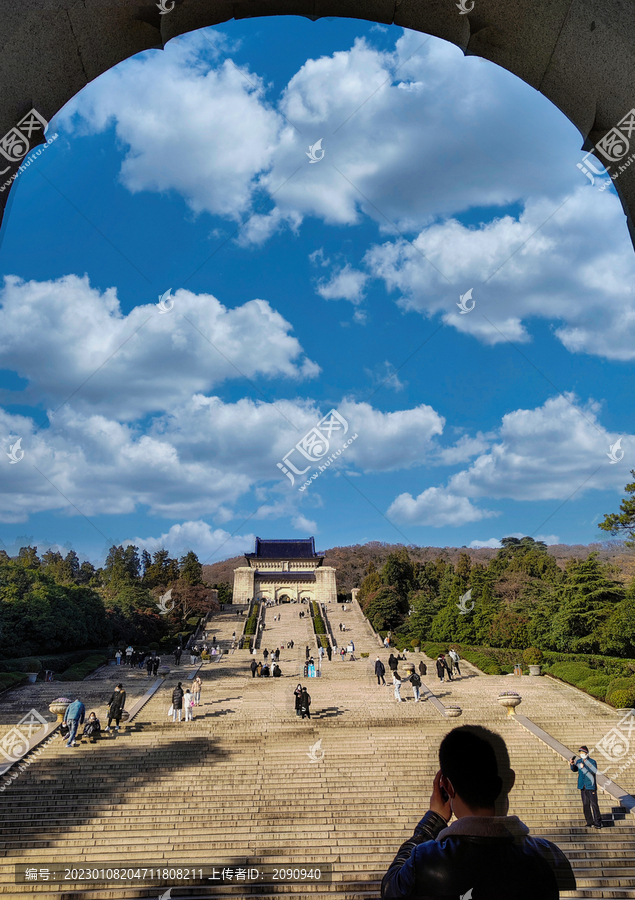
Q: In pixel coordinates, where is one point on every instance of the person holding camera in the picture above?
(587, 785)
(485, 850)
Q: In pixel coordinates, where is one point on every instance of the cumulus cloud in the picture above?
(304, 525)
(558, 451)
(436, 507)
(203, 457)
(206, 129)
(493, 543)
(344, 284)
(69, 339)
(208, 543)
(576, 269)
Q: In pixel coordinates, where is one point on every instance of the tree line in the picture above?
(52, 603)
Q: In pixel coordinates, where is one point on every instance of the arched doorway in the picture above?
(584, 64)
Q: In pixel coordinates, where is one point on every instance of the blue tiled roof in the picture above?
(285, 549)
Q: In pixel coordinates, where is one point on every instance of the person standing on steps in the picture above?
(177, 701)
(118, 656)
(423, 669)
(306, 652)
(188, 703)
(380, 671)
(449, 662)
(455, 659)
(297, 694)
(156, 662)
(486, 849)
(265, 654)
(116, 706)
(197, 684)
(329, 651)
(74, 717)
(587, 785)
(305, 703)
(415, 681)
(393, 663)
(441, 668)
(177, 655)
(396, 680)
(149, 665)
(253, 666)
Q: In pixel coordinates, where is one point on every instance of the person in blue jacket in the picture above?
(74, 717)
(587, 785)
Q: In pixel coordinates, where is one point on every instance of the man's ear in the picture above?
(447, 786)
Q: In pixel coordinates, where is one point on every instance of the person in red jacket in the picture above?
(484, 851)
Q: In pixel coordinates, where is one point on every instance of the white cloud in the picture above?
(202, 130)
(436, 507)
(208, 543)
(558, 451)
(547, 453)
(386, 376)
(69, 339)
(205, 128)
(306, 526)
(576, 269)
(345, 284)
(203, 457)
(493, 543)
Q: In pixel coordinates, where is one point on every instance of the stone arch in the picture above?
(578, 53)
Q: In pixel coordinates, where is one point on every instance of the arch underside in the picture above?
(578, 53)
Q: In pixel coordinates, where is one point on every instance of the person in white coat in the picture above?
(188, 703)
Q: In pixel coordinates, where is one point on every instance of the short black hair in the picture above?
(467, 757)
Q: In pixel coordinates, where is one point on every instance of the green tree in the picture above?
(587, 597)
(398, 572)
(383, 608)
(623, 523)
(190, 569)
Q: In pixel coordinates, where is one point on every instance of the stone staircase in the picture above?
(247, 779)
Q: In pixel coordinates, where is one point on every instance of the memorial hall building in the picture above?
(285, 570)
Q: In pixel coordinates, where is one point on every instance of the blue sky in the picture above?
(297, 287)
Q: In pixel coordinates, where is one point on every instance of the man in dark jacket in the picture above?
(393, 663)
(116, 706)
(305, 703)
(587, 785)
(423, 669)
(485, 850)
(329, 651)
(177, 701)
(380, 671)
(177, 655)
(253, 668)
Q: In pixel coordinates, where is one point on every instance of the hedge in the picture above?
(80, 670)
(11, 679)
(58, 662)
(252, 621)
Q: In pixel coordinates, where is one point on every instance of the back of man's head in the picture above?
(476, 761)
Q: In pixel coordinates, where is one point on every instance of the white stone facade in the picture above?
(276, 579)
